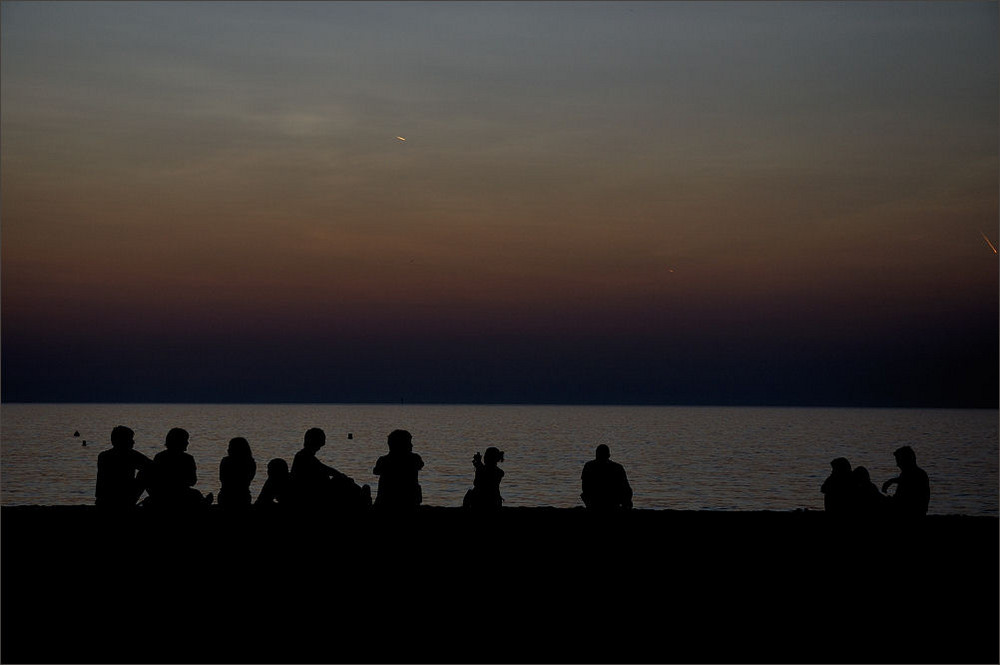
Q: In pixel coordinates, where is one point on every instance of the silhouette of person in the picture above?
(275, 487)
(605, 483)
(837, 488)
(173, 475)
(397, 484)
(121, 472)
(913, 489)
(236, 471)
(485, 493)
(867, 501)
(318, 486)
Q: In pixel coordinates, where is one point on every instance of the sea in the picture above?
(676, 458)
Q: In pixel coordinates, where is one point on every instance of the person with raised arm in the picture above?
(485, 493)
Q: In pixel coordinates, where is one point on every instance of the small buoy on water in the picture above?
(76, 433)
(350, 435)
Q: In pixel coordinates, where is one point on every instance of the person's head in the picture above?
(315, 438)
(122, 437)
(177, 439)
(841, 465)
(493, 455)
(861, 475)
(905, 457)
(277, 468)
(400, 441)
(239, 447)
(603, 452)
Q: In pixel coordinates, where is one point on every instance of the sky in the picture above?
(773, 203)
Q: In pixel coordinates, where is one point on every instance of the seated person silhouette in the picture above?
(121, 472)
(398, 488)
(485, 493)
(173, 475)
(913, 489)
(866, 500)
(605, 484)
(236, 471)
(316, 486)
(837, 488)
(275, 487)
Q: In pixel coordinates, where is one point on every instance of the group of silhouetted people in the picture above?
(123, 474)
(851, 492)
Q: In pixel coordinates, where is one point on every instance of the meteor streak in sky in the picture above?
(992, 246)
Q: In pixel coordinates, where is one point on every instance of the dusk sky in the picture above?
(653, 202)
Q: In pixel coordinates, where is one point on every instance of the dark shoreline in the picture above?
(527, 585)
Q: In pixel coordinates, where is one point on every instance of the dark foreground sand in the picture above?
(529, 585)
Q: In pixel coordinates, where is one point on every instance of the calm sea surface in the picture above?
(683, 458)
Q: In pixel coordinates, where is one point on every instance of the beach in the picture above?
(524, 585)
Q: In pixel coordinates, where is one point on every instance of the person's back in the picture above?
(838, 488)
(121, 472)
(236, 471)
(913, 491)
(173, 475)
(173, 472)
(275, 489)
(605, 483)
(309, 481)
(867, 501)
(398, 485)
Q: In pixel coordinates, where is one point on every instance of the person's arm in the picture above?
(335, 475)
(889, 483)
(191, 472)
(626, 491)
(266, 494)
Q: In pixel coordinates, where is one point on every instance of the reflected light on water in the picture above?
(676, 457)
